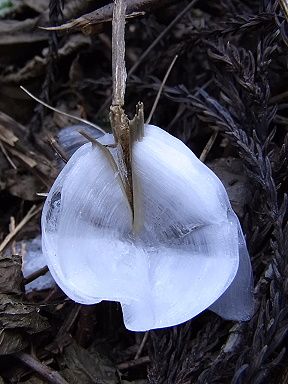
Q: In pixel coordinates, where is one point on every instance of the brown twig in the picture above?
(33, 276)
(149, 49)
(141, 346)
(208, 146)
(42, 369)
(133, 363)
(70, 320)
(87, 22)
(118, 53)
(284, 7)
(8, 158)
(119, 121)
(58, 149)
(161, 89)
(31, 213)
(61, 112)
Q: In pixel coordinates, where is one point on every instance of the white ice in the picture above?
(177, 257)
(33, 260)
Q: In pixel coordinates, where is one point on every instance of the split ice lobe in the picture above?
(183, 252)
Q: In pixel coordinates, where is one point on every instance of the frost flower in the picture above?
(182, 252)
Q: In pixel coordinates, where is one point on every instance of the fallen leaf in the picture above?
(15, 314)
(17, 320)
(11, 341)
(11, 278)
(87, 367)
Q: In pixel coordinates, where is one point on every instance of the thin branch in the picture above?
(42, 369)
(58, 149)
(119, 121)
(8, 158)
(87, 25)
(150, 48)
(61, 112)
(118, 53)
(31, 213)
(133, 363)
(143, 342)
(208, 146)
(161, 89)
(89, 21)
(33, 276)
(284, 7)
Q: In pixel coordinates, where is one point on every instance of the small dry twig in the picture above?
(161, 89)
(58, 149)
(143, 342)
(43, 370)
(10, 161)
(33, 276)
(89, 21)
(150, 48)
(31, 213)
(133, 363)
(62, 112)
(208, 146)
(118, 53)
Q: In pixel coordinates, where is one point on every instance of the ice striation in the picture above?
(181, 253)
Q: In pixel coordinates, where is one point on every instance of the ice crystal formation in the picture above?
(180, 252)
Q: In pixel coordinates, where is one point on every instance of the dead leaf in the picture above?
(15, 314)
(11, 278)
(17, 320)
(14, 140)
(87, 367)
(26, 159)
(10, 129)
(7, 136)
(89, 23)
(11, 341)
(36, 67)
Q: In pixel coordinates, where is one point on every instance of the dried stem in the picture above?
(119, 121)
(58, 149)
(62, 112)
(88, 23)
(161, 89)
(143, 342)
(43, 370)
(31, 213)
(33, 276)
(150, 48)
(208, 146)
(133, 363)
(118, 53)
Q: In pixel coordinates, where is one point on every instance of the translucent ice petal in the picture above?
(84, 214)
(175, 259)
(236, 303)
(70, 139)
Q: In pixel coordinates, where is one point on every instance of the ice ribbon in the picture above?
(183, 252)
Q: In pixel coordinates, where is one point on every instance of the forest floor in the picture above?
(226, 98)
